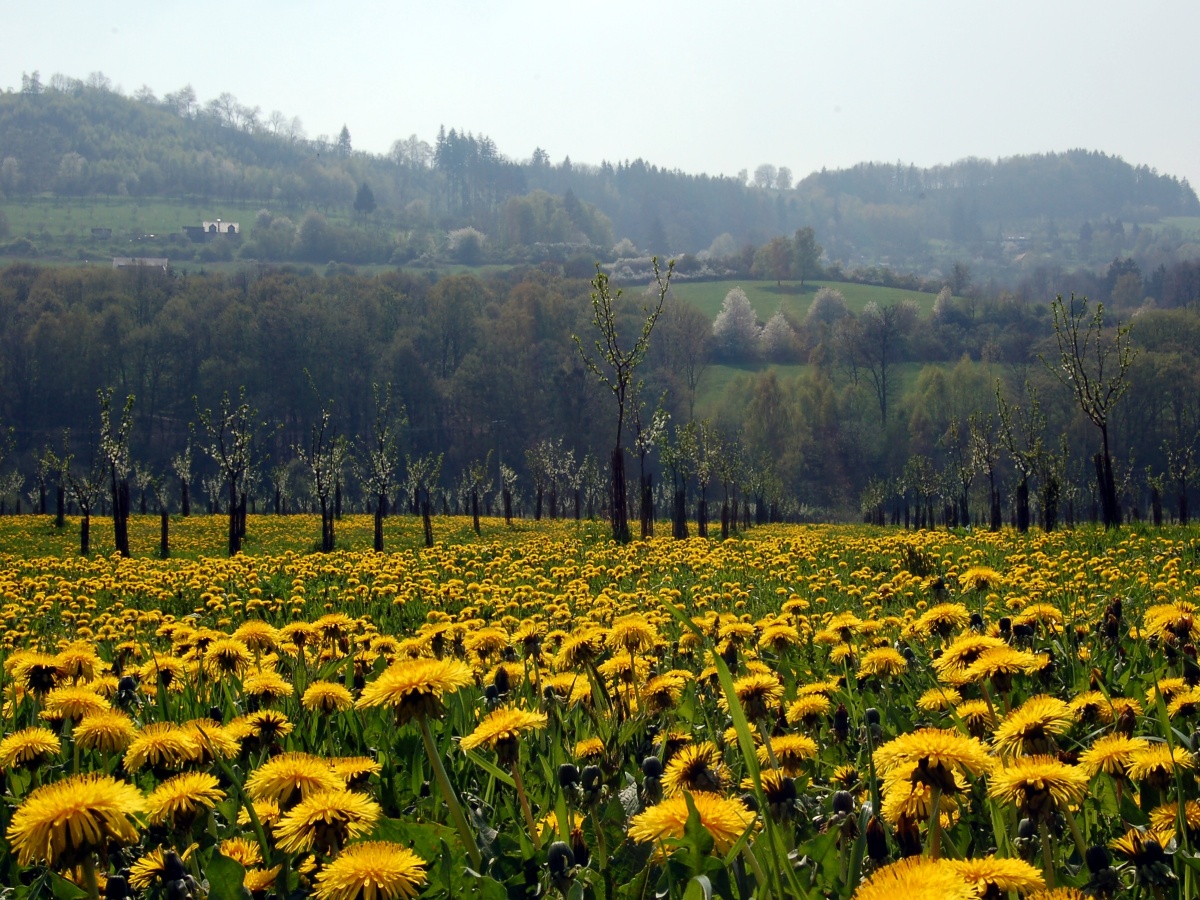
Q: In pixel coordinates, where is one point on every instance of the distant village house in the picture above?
(206, 231)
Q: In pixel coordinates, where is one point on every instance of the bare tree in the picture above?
(324, 457)
(423, 474)
(615, 367)
(379, 456)
(114, 447)
(1094, 367)
(181, 465)
(230, 443)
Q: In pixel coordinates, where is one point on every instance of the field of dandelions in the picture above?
(795, 712)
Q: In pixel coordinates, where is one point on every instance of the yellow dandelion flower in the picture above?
(1037, 784)
(162, 745)
(696, 767)
(1030, 728)
(288, 774)
(244, 850)
(1155, 763)
(1111, 753)
(72, 703)
(60, 823)
(916, 878)
(107, 731)
(325, 820)
(415, 687)
(373, 870)
(725, 819)
(939, 699)
(180, 800)
(500, 729)
(791, 750)
(937, 755)
(355, 770)
(28, 748)
(808, 710)
(758, 693)
(992, 875)
(882, 662)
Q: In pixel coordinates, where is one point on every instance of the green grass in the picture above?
(1189, 225)
(766, 297)
(76, 217)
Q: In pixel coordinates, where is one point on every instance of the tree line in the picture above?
(954, 416)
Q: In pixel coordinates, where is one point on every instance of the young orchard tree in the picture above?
(85, 490)
(379, 456)
(615, 367)
(477, 481)
(1021, 430)
(114, 448)
(985, 455)
(162, 494)
(181, 465)
(323, 458)
(1094, 367)
(230, 443)
(647, 434)
(423, 474)
(508, 481)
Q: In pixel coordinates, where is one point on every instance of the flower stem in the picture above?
(448, 795)
(935, 823)
(525, 807)
(89, 876)
(1047, 854)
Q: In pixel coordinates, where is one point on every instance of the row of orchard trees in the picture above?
(1093, 364)
(488, 364)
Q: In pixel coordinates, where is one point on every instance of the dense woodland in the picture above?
(457, 197)
(888, 410)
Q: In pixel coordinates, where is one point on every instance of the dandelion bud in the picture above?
(560, 859)
(843, 803)
(652, 767)
(568, 775)
(1097, 858)
(877, 848)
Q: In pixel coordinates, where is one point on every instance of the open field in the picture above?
(540, 711)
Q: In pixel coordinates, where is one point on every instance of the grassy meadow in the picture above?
(535, 711)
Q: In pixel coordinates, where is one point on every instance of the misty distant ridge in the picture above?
(71, 139)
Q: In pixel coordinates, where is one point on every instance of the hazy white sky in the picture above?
(699, 86)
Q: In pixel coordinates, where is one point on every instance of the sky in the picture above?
(698, 86)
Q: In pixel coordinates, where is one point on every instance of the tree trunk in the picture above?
(537, 506)
(235, 532)
(679, 528)
(380, 512)
(475, 511)
(60, 512)
(725, 521)
(507, 495)
(1156, 507)
(1183, 506)
(427, 522)
(620, 512)
(1023, 505)
(185, 499)
(647, 506)
(702, 515)
(164, 540)
(85, 534)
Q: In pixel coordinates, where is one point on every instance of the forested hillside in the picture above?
(457, 197)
